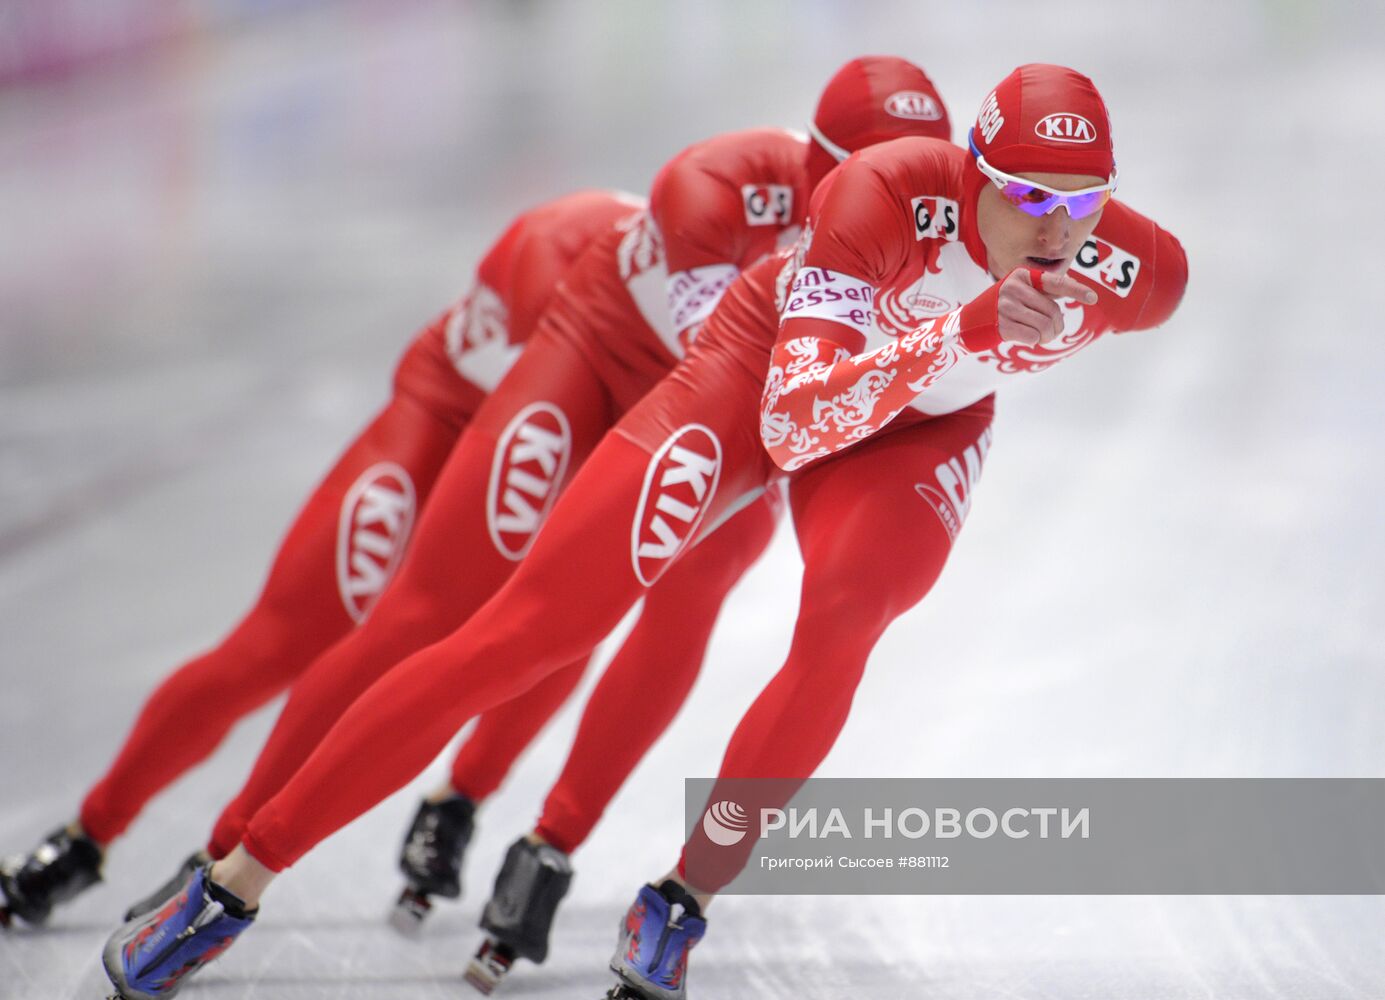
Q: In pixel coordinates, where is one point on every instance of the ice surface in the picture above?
(210, 257)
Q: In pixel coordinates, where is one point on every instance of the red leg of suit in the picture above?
(650, 678)
(503, 733)
(456, 561)
(874, 540)
(300, 612)
(590, 563)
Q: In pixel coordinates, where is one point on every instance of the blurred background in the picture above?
(222, 220)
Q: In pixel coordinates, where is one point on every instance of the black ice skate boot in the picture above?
(170, 888)
(432, 858)
(55, 871)
(519, 914)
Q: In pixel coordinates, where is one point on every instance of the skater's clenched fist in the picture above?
(1027, 308)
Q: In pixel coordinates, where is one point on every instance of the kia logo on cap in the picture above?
(1065, 128)
(913, 104)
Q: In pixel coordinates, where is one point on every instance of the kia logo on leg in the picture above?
(376, 518)
(678, 489)
(530, 462)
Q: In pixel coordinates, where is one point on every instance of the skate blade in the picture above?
(481, 979)
(487, 968)
(623, 991)
(10, 918)
(409, 912)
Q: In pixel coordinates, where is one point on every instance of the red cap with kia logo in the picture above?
(874, 99)
(1045, 119)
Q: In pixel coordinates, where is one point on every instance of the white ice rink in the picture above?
(210, 256)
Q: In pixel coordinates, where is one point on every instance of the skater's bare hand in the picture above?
(1030, 315)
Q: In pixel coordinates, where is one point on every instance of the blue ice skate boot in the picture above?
(169, 889)
(651, 959)
(150, 956)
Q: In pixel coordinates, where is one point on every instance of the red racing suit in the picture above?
(351, 534)
(875, 521)
(617, 323)
(883, 373)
